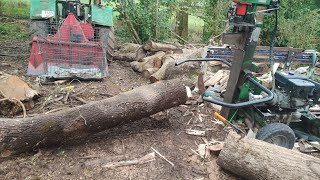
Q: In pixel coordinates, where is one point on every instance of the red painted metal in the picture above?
(72, 47)
(241, 9)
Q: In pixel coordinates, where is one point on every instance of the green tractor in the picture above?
(71, 38)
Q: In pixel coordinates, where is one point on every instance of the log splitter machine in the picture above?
(278, 115)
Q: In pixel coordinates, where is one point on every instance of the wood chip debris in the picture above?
(195, 132)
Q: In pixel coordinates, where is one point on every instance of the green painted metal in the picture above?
(42, 9)
(258, 2)
(314, 61)
(101, 15)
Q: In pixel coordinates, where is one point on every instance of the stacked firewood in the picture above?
(156, 61)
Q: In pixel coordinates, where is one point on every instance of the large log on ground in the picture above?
(20, 135)
(152, 46)
(254, 159)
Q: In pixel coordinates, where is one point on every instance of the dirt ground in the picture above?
(84, 159)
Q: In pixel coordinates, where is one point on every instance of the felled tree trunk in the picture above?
(254, 159)
(152, 46)
(19, 135)
(129, 57)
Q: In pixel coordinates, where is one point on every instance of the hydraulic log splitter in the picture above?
(277, 115)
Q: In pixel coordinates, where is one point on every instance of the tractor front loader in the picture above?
(71, 39)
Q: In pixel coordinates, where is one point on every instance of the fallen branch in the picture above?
(145, 159)
(162, 156)
(80, 99)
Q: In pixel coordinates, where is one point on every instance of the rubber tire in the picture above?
(39, 28)
(106, 36)
(280, 132)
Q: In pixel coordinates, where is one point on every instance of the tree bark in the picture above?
(182, 24)
(20, 135)
(152, 46)
(254, 159)
(129, 57)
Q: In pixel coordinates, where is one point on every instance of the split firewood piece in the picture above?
(148, 72)
(254, 159)
(216, 78)
(152, 46)
(168, 69)
(145, 159)
(153, 61)
(21, 135)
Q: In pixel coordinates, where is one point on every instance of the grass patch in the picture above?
(15, 8)
(195, 26)
(13, 32)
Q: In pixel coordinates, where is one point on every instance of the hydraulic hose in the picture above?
(205, 59)
(269, 98)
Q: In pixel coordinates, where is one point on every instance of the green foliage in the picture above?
(12, 32)
(151, 20)
(299, 23)
(214, 15)
(15, 8)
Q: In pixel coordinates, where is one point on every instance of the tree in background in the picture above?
(214, 16)
(299, 23)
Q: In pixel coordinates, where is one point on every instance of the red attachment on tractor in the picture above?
(242, 7)
(71, 52)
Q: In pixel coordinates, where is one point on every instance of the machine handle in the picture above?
(243, 104)
(204, 60)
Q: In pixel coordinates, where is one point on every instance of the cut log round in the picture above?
(152, 46)
(20, 135)
(255, 159)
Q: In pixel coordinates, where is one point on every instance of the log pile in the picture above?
(156, 61)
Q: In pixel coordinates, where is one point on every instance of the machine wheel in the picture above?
(39, 28)
(278, 134)
(106, 36)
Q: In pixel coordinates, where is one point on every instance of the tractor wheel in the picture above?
(39, 28)
(106, 36)
(278, 134)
